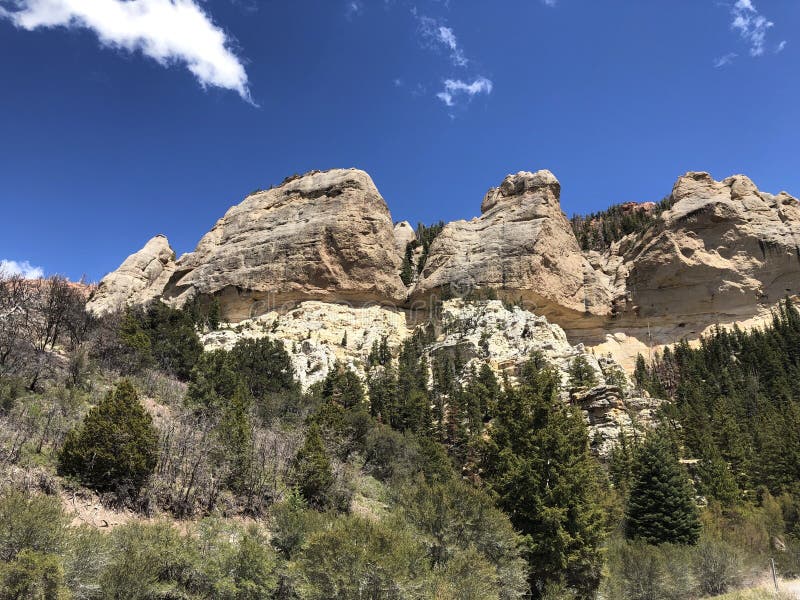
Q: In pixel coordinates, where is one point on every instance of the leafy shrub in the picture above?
(28, 522)
(33, 575)
(639, 571)
(718, 566)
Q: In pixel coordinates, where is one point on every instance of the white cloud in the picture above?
(550, 3)
(751, 25)
(438, 35)
(353, 8)
(781, 46)
(453, 88)
(24, 268)
(168, 31)
(724, 60)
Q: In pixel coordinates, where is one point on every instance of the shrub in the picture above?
(27, 522)
(639, 571)
(116, 446)
(718, 566)
(146, 560)
(358, 558)
(33, 575)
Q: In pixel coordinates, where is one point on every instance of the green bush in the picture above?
(116, 446)
(639, 571)
(718, 566)
(147, 561)
(359, 558)
(33, 576)
(28, 522)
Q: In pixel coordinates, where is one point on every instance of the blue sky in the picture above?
(123, 119)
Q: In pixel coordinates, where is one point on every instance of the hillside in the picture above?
(320, 403)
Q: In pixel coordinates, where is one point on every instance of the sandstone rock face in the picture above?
(139, 280)
(322, 236)
(403, 234)
(523, 246)
(723, 249)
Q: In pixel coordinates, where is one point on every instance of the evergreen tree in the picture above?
(537, 463)
(212, 383)
(235, 434)
(640, 373)
(312, 469)
(660, 507)
(407, 270)
(174, 343)
(581, 374)
(264, 366)
(116, 446)
(620, 464)
(214, 314)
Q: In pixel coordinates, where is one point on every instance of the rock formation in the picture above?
(723, 252)
(523, 246)
(321, 236)
(403, 235)
(722, 249)
(140, 279)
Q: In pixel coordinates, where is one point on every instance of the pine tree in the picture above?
(214, 314)
(313, 474)
(661, 507)
(407, 270)
(640, 373)
(116, 446)
(537, 463)
(581, 374)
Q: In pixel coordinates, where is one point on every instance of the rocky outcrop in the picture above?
(523, 247)
(318, 334)
(403, 235)
(321, 236)
(720, 251)
(489, 333)
(724, 252)
(139, 280)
